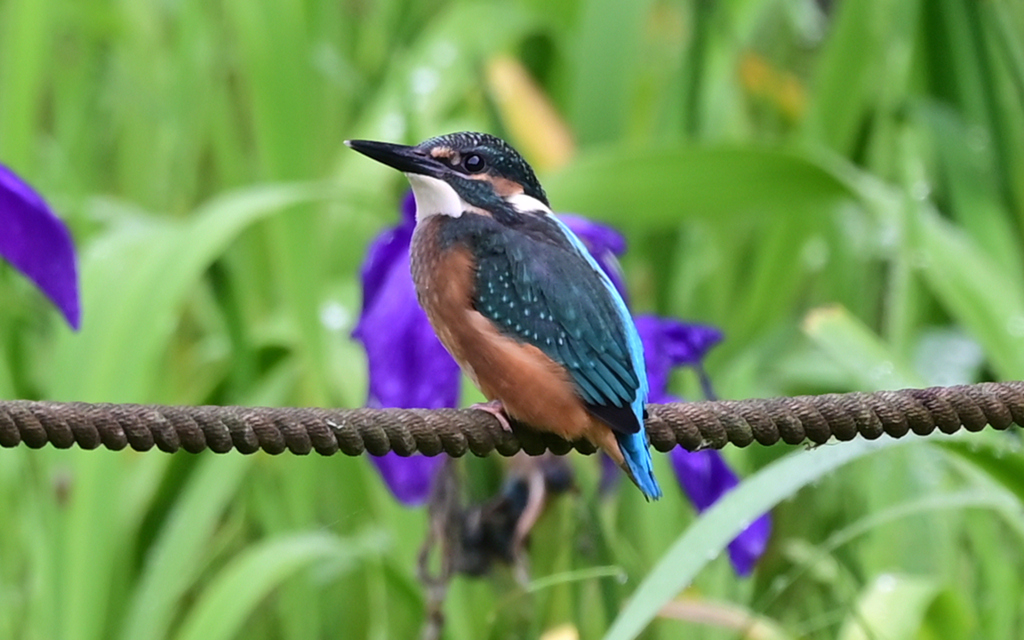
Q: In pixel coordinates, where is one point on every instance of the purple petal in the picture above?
(38, 244)
(384, 253)
(603, 242)
(705, 478)
(611, 475)
(687, 344)
(409, 479)
(703, 475)
(748, 547)
(659, 365)
(669, 343)
(599, 238)
(408, 365)
(408, 208)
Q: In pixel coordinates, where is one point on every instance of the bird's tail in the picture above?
(637, 463)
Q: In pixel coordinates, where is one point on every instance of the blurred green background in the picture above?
(838, 185)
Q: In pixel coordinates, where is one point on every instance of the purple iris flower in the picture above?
(409, 367)
(38, 244)
(704, 475)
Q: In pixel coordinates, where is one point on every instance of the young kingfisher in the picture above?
(518, 300)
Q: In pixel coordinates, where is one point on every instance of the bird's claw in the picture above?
(496, 409)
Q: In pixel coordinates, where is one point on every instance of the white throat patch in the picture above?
(528, 204)
(435, 197)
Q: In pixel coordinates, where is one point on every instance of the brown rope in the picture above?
(692, 425)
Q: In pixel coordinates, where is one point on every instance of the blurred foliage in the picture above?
(838, 185)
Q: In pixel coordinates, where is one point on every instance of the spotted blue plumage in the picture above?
(569, 309)
(634, 445)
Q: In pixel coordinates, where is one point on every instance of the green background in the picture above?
(839, 186)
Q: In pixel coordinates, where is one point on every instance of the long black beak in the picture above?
(405, 159)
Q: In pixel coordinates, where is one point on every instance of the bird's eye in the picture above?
(474, 163)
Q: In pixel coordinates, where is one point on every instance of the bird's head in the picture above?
(461, 173)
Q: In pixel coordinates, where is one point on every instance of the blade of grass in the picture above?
(725, 615)
(603, 75)
(25, 52)
(892, 606)
(774, 278)
(712, 532)
(975, 291)
(1003, 466)
(858, 351)
(235, 593)
(853, 71)
(667, 186)
(180, 553)
(975, 200)
(93, 536)
(6, 379)
(1002, 502)
(134, 281)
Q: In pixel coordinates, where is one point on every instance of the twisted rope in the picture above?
(692, 425)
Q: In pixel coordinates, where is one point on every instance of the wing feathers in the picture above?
(554, 300)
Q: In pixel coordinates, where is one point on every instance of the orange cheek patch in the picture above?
(502, 186)
(506, 188)
(440, 153)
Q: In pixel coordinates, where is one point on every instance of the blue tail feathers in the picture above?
(638, 462)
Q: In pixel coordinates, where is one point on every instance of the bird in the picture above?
(518, 301)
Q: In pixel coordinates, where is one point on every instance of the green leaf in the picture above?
(820, 562)
(91, 560)
(858, 351)
(181, 551)
(862, 67)
(6, 379)
(998, 458)
(981, 296)
(712, 532)
(603, 77)
(235, 593)
(134, 282)
(975, 200)
(27, 53)
(948, 618)
(657, 187)
(891, 607)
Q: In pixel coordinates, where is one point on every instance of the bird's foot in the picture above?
(496, 409)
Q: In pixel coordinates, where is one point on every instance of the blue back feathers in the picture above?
(634, 445)
(524, 291)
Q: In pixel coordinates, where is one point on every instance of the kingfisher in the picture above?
(517, 299)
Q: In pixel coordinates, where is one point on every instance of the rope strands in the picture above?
(692, 425)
